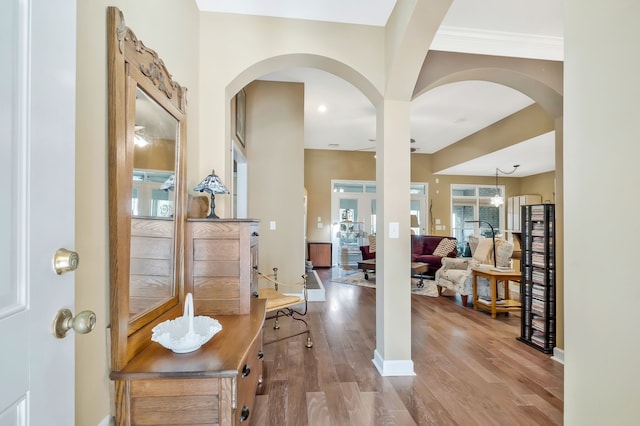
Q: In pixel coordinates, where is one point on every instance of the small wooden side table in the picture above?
(493, 277)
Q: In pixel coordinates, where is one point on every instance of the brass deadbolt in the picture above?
(65, 260)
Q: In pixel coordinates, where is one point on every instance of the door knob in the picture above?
(65, 260)
(64, 321)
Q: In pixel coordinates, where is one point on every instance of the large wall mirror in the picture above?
(147, 130)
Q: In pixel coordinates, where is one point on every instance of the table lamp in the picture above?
(169, 184)
(212, 184)
(414, 223)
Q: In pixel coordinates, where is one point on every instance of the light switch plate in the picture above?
(272, 225)
(394, 230)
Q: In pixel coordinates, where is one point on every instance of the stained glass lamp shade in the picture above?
(213, 185)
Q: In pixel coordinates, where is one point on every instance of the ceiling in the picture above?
(446, 114)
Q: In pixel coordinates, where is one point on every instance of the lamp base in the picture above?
(212, 214)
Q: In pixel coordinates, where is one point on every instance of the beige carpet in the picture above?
(357, 278)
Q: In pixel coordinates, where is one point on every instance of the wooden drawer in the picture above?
(216, 250)
(220, 256)
(175, 401)
(248, 377)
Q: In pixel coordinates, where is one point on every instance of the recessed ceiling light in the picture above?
(322, 108)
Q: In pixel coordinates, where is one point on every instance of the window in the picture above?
(473, 202)
(148, 198)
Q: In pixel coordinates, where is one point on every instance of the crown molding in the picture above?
(498, 43)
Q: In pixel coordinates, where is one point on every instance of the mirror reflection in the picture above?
(154, 159)
(152, 206)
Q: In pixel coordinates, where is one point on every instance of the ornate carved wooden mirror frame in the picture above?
(135, 72)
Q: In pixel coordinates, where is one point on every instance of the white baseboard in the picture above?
(107, 421)
(316, 294)
(392, 368)
(558, 355)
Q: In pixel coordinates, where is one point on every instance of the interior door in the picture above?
(419, 209)
(356, 208)
(37, 57)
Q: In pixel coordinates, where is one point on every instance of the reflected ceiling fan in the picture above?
(139, 137)
(413, 149)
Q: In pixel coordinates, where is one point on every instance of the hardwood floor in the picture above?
(470, 369)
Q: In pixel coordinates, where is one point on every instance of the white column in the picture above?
(601, 176)
(392, 356)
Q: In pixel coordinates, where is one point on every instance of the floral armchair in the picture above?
(455, 273)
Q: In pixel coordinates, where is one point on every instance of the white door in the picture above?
(353, 207)
(37, 128)
(419, 209)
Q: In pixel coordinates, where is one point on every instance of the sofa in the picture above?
(432, 249)
(428, 249)
(455, 274)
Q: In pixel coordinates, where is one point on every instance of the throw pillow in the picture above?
(484, 251)
(372, 243)
(445, 246)
(504, 250)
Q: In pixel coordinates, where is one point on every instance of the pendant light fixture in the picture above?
(498, 200)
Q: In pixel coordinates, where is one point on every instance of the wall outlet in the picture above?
(320, 225)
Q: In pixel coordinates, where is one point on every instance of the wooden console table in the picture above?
(507, 305)
(214, 385)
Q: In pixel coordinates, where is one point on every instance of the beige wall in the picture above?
(542, 184)
(275, 152)
(321, 166)
(178, 47)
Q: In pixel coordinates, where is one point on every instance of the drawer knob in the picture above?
(244, 414)
(246, 370)
(260, 355)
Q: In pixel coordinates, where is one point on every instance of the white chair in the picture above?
(455, 273)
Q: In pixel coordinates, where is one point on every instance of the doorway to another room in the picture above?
(353, 217)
